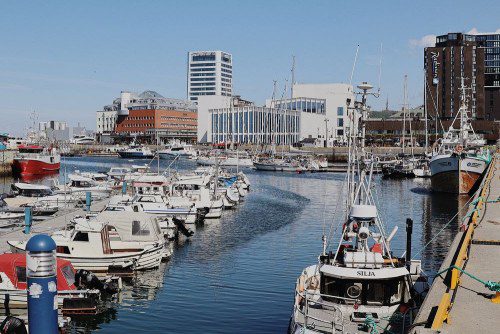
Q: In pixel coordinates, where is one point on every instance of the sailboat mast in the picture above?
(425, 114)
(404, 116)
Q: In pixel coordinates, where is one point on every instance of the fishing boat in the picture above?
(112, 242)
(70, 298)
(460, 158)
(36, 160)
(279, 165)
(360, 284)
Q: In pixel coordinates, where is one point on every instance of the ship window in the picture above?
(21, 274)
(81, 236)
(63, 250)
(137, 229)
(69, 274)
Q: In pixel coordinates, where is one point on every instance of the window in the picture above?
(81, 236)
(204, 58)
(137, 229)
(21, 274)
(340, 111)
(69, 274)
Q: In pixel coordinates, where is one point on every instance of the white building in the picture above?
(317, 111)
(209, 73)
(106, 118)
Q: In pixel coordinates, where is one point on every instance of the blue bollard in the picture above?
(42, 285)
(124, 188)
(88, 200)
(27, 220)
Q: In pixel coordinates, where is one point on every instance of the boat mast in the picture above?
(404, 116)
(425, 114)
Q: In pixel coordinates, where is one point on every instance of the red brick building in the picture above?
(151, 115)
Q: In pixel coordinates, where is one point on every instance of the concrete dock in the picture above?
(457, 302)
(59, 221)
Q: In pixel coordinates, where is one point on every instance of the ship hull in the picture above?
(456, 174)
(135, 155)
(34, 167)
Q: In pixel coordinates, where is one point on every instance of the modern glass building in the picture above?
(256, 125)
(304, 104)
(209, 73)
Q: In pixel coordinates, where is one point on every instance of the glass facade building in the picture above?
(256, 125)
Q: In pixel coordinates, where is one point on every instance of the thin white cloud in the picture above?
(474, 31)
(427, 40)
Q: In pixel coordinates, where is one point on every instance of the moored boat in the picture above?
(36, 160)
(459, 159)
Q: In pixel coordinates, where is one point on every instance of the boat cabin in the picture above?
(31, 190)
(13, 273)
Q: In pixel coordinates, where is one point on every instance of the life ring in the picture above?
(459, 148)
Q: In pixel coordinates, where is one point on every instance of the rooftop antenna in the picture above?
(354, 65)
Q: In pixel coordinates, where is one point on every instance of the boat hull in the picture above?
(456, 174)
(34, 167)
(135, 155)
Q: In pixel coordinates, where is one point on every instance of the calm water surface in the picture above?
(237, 274)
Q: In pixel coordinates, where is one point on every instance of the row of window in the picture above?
(202, 79)
(203, 84)
(203, 58)
(203, 69)
(225, 80)
(202, 93)
(202, 64)
(175, 118)
(226, 70)
(226, 75)
(202, 89)
(226, 65)
(190, 126)
(202, 75)
(136, 125)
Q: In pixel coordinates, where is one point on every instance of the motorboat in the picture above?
(460, 158)
(80, 184)
(70, 298)
(82, 140)
(42, 199)
(136, 152)
(402, 168)
(359, 284)
(176, 150)
(422, 168)
(111, 242)
(225, 159)
(36, 160)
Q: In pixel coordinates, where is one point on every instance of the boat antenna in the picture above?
(380, 70)
(354, 65)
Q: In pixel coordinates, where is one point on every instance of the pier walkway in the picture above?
(49, 225)
(458, 303)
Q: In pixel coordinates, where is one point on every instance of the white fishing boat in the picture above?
(460, 158)
(111, 242)
(136, 152)
(360, 284)
(81, 184)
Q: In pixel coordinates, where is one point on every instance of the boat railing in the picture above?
(308, 300)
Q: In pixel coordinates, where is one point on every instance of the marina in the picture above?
(272, 167)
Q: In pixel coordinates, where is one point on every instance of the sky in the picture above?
(67, 59)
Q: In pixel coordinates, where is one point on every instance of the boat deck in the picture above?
(468, 307)
(60, 220)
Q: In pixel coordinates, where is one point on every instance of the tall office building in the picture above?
(476, 58)
(209, 73)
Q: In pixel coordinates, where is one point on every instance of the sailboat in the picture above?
(459, 159)
(361, 283)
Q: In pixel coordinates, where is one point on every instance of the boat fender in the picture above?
(459, 149)
(312, 283)
(13, 325)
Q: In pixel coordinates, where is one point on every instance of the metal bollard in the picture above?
(42, 285)
(124, 188)
(88, 200)
(27, 220)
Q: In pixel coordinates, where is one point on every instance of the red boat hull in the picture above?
(34, 167)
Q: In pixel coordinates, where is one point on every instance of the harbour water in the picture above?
(237, 274)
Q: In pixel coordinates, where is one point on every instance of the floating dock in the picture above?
(465, 296)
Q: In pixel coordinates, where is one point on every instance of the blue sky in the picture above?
(66, 59)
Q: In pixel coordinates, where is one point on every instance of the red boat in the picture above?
(71, 299)
(36, 160)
